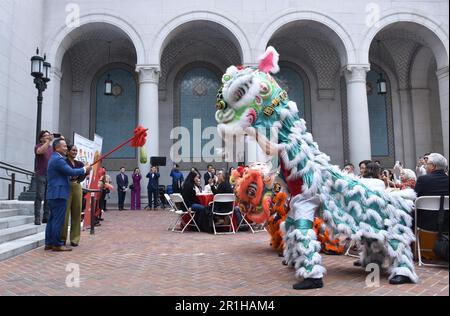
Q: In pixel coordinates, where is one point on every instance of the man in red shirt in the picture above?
(43, 152)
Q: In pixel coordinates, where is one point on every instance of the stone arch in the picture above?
(436, 38)
(338, 35)
(62, 40)
(169, 30)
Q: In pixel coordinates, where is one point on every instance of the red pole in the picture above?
(117, 148)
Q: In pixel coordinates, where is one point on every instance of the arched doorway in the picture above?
(196, 55)
(94, 49)
(115, 116)
(196, 89)
(409, 54)
(311, 56)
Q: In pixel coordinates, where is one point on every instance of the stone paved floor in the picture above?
(132, 253)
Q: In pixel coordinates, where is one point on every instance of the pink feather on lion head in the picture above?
(269, 61)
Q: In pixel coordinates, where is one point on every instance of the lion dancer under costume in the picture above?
(251, 102)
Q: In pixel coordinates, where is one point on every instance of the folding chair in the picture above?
(427, 205)
(246, 223)
(224, 198)
(178, 200)
(171, 209)
(350, 246)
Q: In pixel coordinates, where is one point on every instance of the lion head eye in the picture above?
(221, 105)
(226, 78)
(265, 89)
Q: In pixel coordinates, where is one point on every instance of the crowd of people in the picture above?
(59, 176)
(430, 177)
(58, 184)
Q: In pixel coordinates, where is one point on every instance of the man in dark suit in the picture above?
(122, 186)
(435, 183)
(209, 174)
(153, 187)
(58, 191)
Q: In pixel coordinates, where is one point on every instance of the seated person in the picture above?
(407, 179)
(188, 192)
(223, 187)
(372, 177)
(210, 186)
(197, 185)
(435, 183)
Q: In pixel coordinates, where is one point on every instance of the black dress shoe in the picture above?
(73, 244)
(284, 262)
(400, 279)
(308, 284)
(357, 263)
(44, 221)
(37, 223)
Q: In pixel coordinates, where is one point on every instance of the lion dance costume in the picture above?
(250, 101)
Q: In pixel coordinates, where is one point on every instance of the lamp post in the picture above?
(40, 70)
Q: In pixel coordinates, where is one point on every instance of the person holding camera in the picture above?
(122, 187)
(136, 190)
(43, 151)
(153, 187)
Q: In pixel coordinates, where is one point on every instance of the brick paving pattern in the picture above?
(132, 253)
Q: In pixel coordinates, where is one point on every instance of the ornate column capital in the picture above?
(148, 73)
(442, 73)
(356, 72)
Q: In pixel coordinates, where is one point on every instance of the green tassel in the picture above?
(142, 155)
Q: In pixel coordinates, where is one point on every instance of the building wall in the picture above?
(21, 25)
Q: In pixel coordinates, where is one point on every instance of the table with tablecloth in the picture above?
(205, 199)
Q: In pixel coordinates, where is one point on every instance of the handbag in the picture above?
(131, 186)
(440, 248)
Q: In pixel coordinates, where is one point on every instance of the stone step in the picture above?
(10, 213)
(18, 232)
(19, 246)
(14, 221)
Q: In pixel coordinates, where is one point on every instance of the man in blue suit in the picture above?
(58, 191)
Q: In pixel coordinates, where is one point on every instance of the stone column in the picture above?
(149, 109)
(358, 114)
(442, 75)
(407, 122)
(421, 114)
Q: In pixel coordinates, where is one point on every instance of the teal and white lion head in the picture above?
(251, 100)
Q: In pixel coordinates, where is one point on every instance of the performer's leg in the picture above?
(301, 245)
(401, 268)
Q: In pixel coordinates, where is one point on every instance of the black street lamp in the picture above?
(40, 70)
